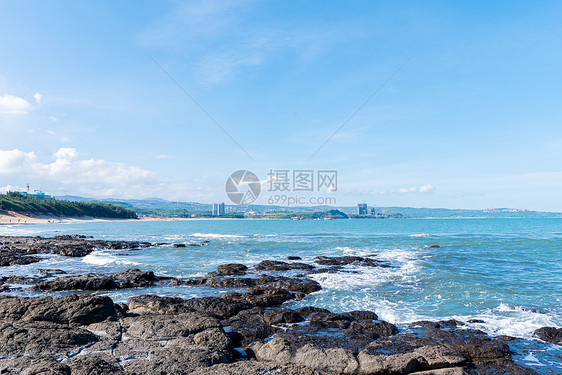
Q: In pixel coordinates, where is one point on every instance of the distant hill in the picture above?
(161, 207)
(25, 204)
(413, 212)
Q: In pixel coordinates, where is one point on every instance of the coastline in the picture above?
(21, 219)
(248, 330)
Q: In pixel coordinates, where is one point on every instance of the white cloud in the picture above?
(37, 98)
(15, 161)
(13, 105)
(66, 153)
(424, 189)
(162, 156)
(88, 175)
(7, 188)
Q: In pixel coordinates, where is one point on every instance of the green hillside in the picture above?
(29, 205)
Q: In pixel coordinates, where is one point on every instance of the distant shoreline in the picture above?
(20, 219)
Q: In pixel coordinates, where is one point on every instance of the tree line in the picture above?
(25, 204)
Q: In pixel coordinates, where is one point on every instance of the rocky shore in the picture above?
(247, 331)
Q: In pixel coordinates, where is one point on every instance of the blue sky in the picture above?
(472, 121)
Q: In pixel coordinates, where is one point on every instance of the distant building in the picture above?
(373, 212)
(39, 195)
(218, 209)
(362, 209)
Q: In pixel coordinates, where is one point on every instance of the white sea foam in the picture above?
(216, 235)
(419, 235)
(404, 268)
(511, 321)
(100, 258)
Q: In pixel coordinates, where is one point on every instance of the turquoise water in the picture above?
(506, 272)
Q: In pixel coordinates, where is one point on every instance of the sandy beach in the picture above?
(10, 218)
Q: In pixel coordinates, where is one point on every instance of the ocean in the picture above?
(504, 273)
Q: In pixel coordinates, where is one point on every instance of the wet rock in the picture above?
(309, 310)
(281, 316)
(81, 309)
(254, 367)
(10, 258)
(74, 251)
(550, 334)
(244, 333)
(168, 327)
(322, 350)
(131, 278)
(220, 307)
(277, 265)
(501, 366)
(231, 269)
(362, 315)
(292, 284)
(474, 345)
(95, 364)
(16, 249)
(180, 245)
(176, 359)
(293, 257)
(46, 367)
(348, 260)
(50, 272)
(263, 297)
(406, 354)
(214, 306)
(35, 338)
(329, 319)
(377, 329)
(426, 324)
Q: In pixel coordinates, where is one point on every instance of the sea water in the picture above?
(504, 272)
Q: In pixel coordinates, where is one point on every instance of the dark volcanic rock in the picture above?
(95, 364)
(277, 265)
(263, 297)
(349, 260)
(16, 250)
(163, 335)
(256, 368)
(35, 338)
(292, 284)
(309, 310)
(500, 367)
(293, 257)
(550, 334)
(214, 306)
(362, 315)
(231, 269)
(322, 349)
(281, 316)
(474, 345)
(131, 278)
(82, 309)
(11, 257)
(244, 334)
(378, 328)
